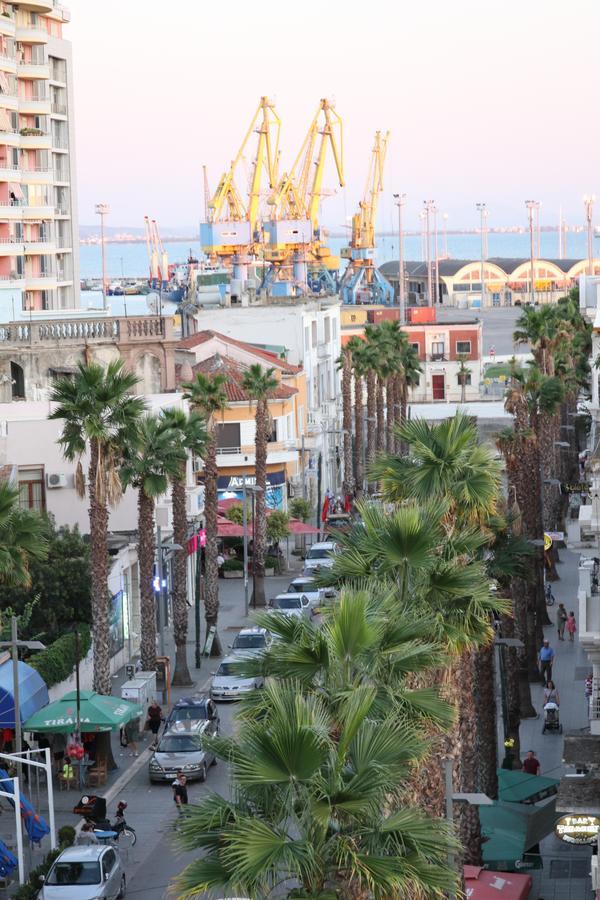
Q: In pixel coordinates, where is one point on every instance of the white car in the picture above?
(305, 584)
(251, 641)
(83, 872)
(293, 605)
(320, 556)
(227, 684)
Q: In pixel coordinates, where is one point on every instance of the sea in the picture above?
(131, 260)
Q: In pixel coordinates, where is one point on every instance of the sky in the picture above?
(484, 100)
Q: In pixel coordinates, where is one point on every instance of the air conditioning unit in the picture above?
(194, 499)
(197, 464)
(56, 480)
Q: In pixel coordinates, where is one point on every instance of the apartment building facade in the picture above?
(38, 204)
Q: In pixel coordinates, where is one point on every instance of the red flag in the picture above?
(325, 509)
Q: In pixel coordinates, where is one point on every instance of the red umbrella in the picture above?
(227, 529)
(298, 527)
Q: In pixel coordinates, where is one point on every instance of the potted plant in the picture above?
(233, 568)
(270, 564)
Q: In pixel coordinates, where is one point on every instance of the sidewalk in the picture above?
(565, 875)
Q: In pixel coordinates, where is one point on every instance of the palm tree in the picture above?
(260, 384)
(189, 435)
(100, 414)
(23, 537)
(151, 458)
(356, 347)
(317, 764)
(463, 375)
(207, 396)
(345, 364)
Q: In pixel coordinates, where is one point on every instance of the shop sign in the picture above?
(578, 829)
(236, 482)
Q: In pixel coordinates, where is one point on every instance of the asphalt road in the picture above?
(498, 326)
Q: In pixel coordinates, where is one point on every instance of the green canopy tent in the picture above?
(97, 713)
(519, 787)
(511, 829)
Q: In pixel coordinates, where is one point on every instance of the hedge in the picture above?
(57, 661)
(233, 565)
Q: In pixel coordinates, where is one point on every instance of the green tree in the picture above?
(464, 373)
(22, 539)
(300, 509)
(189, 435)
(207, 396)
(260, 385)
(344, 363)
(99, 414)
(152, 457)
(278, 526)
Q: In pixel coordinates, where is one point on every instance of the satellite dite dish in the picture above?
(152, 301)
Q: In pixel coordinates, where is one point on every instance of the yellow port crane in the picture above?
(362, 282)
(233, 224)
(293, 235)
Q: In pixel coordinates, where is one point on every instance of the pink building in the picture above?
(38, 225)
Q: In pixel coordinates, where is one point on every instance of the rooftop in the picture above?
(201, 337)
(235, 371)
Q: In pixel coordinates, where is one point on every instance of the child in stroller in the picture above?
(551, 709)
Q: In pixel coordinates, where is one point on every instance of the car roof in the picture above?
(82, 853)
(190, 701)
(304, 579)
(190, 726)
(323, 545)
(255, 629)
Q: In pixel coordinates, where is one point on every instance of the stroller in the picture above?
(551, 718)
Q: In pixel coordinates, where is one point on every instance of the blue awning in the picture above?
(33, 693)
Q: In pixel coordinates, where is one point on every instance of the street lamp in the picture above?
(102, 210)
(400, 201)
(429, 207)
(253, 490)
(165, 550)
(482, 209)
(588, 202)
(532, 208)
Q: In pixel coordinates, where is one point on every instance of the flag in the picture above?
(325, 509)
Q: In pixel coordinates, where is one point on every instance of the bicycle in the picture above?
(125, 834)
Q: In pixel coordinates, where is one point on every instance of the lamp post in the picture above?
(400, 201)
(482, 208)
(588, 202)
(429, 206)
(532, 206)
(253, 490)
(102, 210)
(162, 557)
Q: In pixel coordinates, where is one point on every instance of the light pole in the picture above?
(429, 206)
(436, 263)
(532, 206)
(400, 201)
(102, 210)
(253, 490)
(482, 208)
(162, 557)
(588, 202)
(445, 219)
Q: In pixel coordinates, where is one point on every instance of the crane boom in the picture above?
(331, 127)
(363, 222)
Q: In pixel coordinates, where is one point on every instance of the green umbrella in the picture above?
(98, 712)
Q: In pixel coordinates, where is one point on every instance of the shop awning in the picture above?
(98, 712)
(481, 884)
(298, 527)
(227, 529)
(33, 693)
(511, 829)
(519, 787)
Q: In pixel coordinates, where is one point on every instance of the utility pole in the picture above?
(245, 527)
(14, 645)
(102, 210)
(531, 205)
(400, 201)
(482, 208)
(588, 202)
(436, 265)
(161, 609)
(428, 210)
(303, 457)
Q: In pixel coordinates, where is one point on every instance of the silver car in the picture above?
(85, 873)
(305, 584)
(320, 556)
(251, 641)
(182, 748)
(228, 684)
(294, 605)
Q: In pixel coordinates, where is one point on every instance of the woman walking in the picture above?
(154, 720)
(561, 620)
(571, 626)
(551, 694)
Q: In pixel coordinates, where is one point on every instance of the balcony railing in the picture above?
(437, 357)
(60, 143)
(59, 109)
(61, 211)
(70, 331)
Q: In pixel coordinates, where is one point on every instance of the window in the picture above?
(466, 376)
(463, 347)
(335, 329)
(273, 436)
(437, 350)
(31, 489)
(327, 326)
(17, 378)
(108, 861)
(228, 436)
(415, 346)
(307, 338)
(314, 333)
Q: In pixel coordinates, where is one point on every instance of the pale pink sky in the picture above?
(485, 100)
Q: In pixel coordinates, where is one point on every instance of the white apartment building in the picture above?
(39, 267)
(309, 332)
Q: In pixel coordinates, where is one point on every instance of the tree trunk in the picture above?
(348, 482)
(98, 513)
(512, 685)
(487, 734)
(391, 411)
(380, 415)
(260, 522)
(358, 434)
(211, 567)
(467, 817)
(528, 655)
(146, 568)
(181, 673)
(371, 416)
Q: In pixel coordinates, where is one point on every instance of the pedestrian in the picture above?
(86, 836)
(220, 564)
(154, 720)
(571, 626)
(551, 694)
(180, 794)
(130, 734)
(546, 659)
(531, 765)
(561, 620)
(589, 689)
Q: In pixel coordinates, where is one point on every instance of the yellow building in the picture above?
(213, 353)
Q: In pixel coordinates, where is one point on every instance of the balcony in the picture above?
(34, 105)
(37, 246)
(37, 175)
(10, 246)
(323, 351)
(31, 34)
(11, 209)
(14, 281)
(75, 330)
(40, 281)
(58, 109)
(10, 137)
(33, 70)
(36, 211)
(278, 452)
(7, 24)
(9, 172)
(437, 357)
(8, 60)
(41, 6)
(62, 210)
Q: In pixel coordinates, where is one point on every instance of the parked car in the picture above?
(228, 684)
(182, 748)
(251, 641)
(320, 556)
(305, 584)
(83, 872)
(295, 605)
(192, 709)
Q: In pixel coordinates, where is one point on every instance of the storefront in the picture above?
(231, 487)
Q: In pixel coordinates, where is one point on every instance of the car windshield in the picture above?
(227, 669)
(188, 713)
(301, 586)
(249, 642)
(74, 873)
(318, 554)
(176, 743)
(287, 603)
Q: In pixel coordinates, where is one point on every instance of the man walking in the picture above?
(561, 619)
(531, 765)
(546, 659)
(180, 794)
